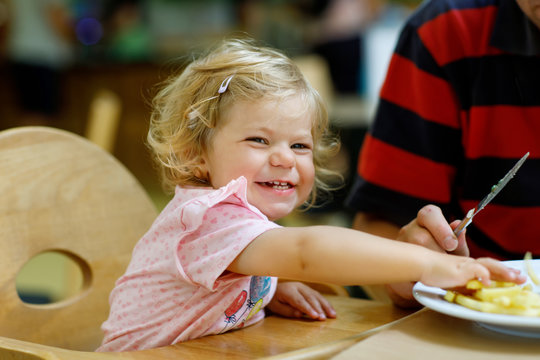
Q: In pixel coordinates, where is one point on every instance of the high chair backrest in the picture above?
(60, 192)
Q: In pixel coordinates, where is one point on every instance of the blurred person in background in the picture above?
(337, 35)
(39, 49)
(129, 38)
(459, 106)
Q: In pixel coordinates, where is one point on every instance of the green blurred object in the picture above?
(133, 44)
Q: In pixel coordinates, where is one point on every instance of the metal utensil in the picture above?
(495, 189)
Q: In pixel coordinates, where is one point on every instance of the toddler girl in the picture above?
(243, 139)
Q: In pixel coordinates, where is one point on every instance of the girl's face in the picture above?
(269, 143)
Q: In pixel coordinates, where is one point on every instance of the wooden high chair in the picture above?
(62, 193)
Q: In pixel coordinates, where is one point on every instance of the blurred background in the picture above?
(92, 66)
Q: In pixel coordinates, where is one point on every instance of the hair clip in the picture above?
(225, 84)
(192, 119)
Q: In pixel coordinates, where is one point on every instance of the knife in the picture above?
(495, 189)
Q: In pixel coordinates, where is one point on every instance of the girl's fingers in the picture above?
(293, 299)
(283, 309)
(315, 306)
(499, 271)
(320, 304)
(482, 274)
(328, 308)
(301, 302)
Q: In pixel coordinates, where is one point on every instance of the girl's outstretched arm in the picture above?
(349, 257)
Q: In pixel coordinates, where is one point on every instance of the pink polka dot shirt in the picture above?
(176, 287)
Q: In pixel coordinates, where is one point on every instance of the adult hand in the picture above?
(431, 230)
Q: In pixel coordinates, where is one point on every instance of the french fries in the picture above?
(498, 298)
(527, 260)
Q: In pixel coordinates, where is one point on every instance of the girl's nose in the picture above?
(282, 156)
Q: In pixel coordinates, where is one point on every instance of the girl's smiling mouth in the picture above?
(277, 185)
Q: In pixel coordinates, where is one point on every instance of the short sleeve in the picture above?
(218, 228)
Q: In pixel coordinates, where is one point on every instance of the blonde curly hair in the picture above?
(187, 109)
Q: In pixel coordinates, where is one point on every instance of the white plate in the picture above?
(432, 297)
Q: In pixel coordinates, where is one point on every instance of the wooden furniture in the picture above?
(62, 193)
(103, 119)
(431, 335)
(274, 337)
(281, 338)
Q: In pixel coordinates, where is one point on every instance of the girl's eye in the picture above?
(258, 140)
(300, 146)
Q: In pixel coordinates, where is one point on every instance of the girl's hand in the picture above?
(295, 299)
(430, 230)
(455, 271)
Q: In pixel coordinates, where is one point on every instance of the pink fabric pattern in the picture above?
(177, 287)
